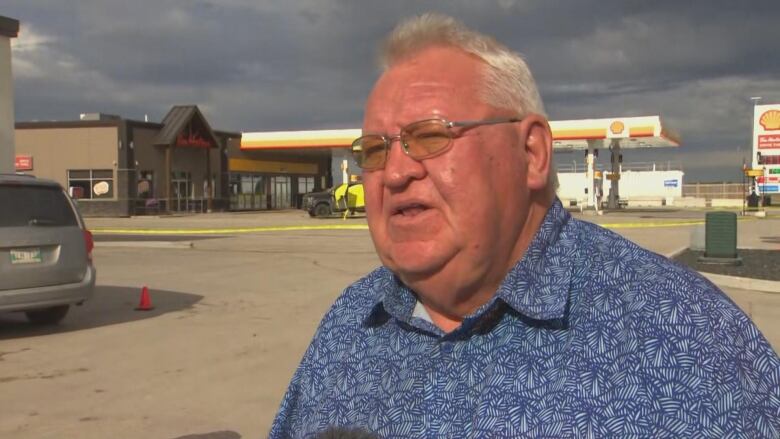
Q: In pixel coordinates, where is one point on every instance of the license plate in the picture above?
(26, 256)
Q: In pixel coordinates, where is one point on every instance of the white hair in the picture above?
(509, 83)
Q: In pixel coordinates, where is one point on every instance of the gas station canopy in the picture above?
(299, 139)
(631, 132)
(614, 133)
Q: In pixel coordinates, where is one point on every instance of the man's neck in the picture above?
(462, 299)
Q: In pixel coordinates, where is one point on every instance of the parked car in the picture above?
(45, 250)
(337, 199)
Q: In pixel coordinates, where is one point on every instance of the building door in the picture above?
(305, 185)
(181, 191)
(280, 192)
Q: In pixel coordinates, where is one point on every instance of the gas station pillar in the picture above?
(614, 188)
(590, 175)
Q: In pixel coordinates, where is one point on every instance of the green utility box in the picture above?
(720, 238)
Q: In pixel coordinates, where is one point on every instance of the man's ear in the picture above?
(537, 139)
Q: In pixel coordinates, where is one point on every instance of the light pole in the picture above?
(754, 149)
(744, 189)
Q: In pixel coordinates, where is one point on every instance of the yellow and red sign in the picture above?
(770, 120)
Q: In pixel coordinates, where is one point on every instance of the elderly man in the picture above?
(495, 314)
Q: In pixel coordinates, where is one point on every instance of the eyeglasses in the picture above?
(419, 140)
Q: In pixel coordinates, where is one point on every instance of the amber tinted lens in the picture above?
(426, 138)
(369, 152)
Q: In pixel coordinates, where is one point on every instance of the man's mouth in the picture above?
(410, 210)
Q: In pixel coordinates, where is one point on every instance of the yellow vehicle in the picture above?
(340, 199)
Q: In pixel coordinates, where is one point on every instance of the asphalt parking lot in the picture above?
(236, 299)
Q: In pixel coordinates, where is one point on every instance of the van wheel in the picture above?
(322, 209)
(47, 316)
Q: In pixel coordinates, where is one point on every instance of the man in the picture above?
(495, 313)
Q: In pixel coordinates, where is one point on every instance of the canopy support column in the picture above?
(590, 175)
(168, 152)
(207, 186)
(614, 188)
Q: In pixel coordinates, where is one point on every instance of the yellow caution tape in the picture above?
(224, 231)
(236, 230)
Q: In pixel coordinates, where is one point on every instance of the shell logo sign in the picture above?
(617, 127)
(770, 120)
(766, 131)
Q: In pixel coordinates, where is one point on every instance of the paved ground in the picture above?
(756, 264)
(233, 315)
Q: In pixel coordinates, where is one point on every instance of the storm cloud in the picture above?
(308, 64)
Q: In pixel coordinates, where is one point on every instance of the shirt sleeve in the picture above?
(745, 389)
(287, 415)
(301, 413)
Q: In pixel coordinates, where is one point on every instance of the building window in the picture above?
(247, 192)
(94, 184)
(146, 184)
(305, 184)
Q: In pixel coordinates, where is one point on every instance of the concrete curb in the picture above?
(676, 252)
(146, 244)
(745, 283)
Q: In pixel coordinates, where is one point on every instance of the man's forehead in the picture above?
(416, 88)
(411, 98)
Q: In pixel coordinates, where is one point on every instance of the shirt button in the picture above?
(446, 347)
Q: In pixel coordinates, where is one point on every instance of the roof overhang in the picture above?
(630, 132)
(299, 139)
(185, 126)
(9, 27)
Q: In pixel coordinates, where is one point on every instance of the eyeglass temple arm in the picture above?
(468, 123)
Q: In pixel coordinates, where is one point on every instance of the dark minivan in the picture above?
(45, 250)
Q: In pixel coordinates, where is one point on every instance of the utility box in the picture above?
(720, 240)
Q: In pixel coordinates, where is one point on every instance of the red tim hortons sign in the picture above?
(769, 141)
(23, 163)
(193, 138)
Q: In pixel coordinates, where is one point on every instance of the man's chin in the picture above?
(409, 262)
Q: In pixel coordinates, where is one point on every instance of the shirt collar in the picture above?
(537, 286)
(392, 298)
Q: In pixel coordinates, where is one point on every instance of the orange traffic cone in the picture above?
(146, 301)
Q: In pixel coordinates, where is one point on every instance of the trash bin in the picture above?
(720, 235)
(752, 200)
(720, 240)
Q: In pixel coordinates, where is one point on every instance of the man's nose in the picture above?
(400, 168)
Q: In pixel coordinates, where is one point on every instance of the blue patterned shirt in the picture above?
(589, 335)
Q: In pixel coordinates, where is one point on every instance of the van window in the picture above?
(34, 205)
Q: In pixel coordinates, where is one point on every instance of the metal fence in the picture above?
(575, 166)
(713, 190)
(191, 205)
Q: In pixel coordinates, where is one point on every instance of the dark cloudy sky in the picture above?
(256, 65)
